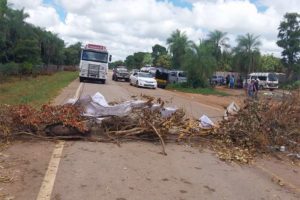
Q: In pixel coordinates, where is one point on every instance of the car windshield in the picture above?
(145, 75)
(272, 77)
(94, 56)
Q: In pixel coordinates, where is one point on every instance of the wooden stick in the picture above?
(160, 138)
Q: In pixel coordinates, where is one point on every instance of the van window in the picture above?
(262, 78)
(272, 77)
(173, 73)
(181, 74)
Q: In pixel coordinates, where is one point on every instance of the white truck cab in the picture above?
(94, 61)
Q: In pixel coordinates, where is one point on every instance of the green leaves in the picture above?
(289, 40)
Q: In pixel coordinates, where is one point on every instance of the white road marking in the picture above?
(78, 91)
(49, 179)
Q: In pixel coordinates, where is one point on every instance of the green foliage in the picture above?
(289, 40)
(9, 69)
(30, 46)
(147, 59)
(25, 68)
(178, 44)
(72, 54)
(164, 61)
(219, 42)
(292, 85)
(205, 91)
(116, 64)
(269, 63)
(158, 51)
(138, 60)
(129, 62)
(247, 55)
(200, 64)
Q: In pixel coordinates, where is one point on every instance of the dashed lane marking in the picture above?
(49, 179)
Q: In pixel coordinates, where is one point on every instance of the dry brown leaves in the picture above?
(260, 127)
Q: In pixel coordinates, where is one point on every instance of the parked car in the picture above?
(177, 77)
(143, 79)
(217, 80)
(120, 73)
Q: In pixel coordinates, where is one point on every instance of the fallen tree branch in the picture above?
(160, 138)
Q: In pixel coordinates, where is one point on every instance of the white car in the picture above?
(143, 79)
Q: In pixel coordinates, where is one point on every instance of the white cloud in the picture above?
(127, 26)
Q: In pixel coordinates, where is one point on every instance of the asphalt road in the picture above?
(136, 170)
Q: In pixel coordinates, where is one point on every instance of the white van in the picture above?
(266, 80)
(177, 76)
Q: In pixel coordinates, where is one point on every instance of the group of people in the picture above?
(230, 81)
(251, 88)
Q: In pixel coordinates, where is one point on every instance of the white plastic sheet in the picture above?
(97, 106)
(232, 109)
(205, 122)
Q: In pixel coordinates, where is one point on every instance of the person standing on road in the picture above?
(255, 88)
(231, 82)
(227, 80)
(251, 89)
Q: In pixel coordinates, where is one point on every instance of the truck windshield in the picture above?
(94, 56)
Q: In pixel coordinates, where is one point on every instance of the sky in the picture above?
(128, 26)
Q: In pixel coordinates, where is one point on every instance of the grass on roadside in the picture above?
(204, 91)
(34, 91)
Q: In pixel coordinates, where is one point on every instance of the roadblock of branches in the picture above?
(260, 127)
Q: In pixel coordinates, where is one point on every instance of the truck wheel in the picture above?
(81, 79)
(103, 81)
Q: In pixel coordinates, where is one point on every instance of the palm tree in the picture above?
(178, 44)
(249, 45)
(220, 45)
(219, 39)
(199, 64)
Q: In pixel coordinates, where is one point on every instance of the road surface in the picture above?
(79, 170)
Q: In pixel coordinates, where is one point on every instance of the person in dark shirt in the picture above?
(255, 88)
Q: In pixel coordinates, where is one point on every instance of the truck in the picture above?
(94, 61)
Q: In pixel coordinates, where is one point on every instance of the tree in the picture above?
(129, 62)
(269, 63)
(147, 59)
(72, 54)
(289, 40)
(139, 59)
(200, 64)
(220, 45)
(248, 47)
(164, 61)
(178, 44)
(157, 51)
(116, 64)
